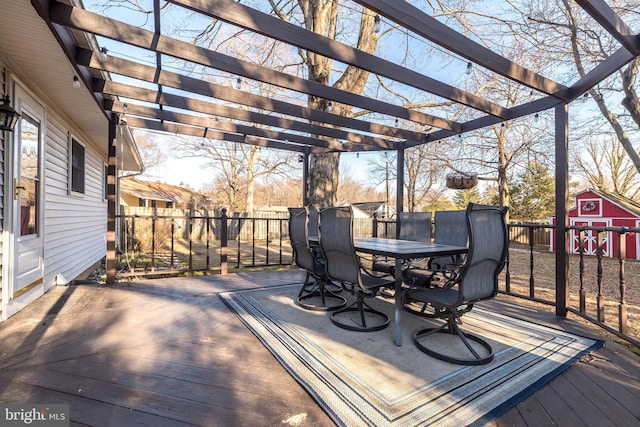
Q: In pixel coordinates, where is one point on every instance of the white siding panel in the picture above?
(75, 225)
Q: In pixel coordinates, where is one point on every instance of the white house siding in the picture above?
(74, 225)
(3, 86)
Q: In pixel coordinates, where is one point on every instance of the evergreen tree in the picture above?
(533, 194)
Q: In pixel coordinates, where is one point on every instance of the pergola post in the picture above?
(562, 212)
(399, 185)
(305, 177)
(110, 263)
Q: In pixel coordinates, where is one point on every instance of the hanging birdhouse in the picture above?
(462, 180)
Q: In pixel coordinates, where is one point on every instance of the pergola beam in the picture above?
(83, 20)
(420, 23)
(208, 124)
(205, 107)
(213, 134)
(149, 74)
(610, 21)
(269, 26)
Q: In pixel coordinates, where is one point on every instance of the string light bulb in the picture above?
(76, 82)
(469, 67)
(536, 118)
(376, 24)
(330, 107)
(103, 54)
(238, 83)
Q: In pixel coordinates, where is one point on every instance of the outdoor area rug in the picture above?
(363, 378)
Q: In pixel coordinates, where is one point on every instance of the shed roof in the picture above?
(625, 203)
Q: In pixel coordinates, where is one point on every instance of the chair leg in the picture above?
(362, 308)
(452, 328)
(329, 301)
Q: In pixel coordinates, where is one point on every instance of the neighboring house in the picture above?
(603, 209)
(381, 208)
(140, 193)
(53, 163)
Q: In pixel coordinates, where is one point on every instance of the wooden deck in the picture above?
(168, 352)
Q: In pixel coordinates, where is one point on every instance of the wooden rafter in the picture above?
(177, 81)
(261, 23)
(83, 20)
(415, 20)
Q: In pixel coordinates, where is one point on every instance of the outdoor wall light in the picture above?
(76, 82)
(103, 54)
(376, 24)
(8, 116)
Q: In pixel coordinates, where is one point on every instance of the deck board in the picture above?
(168, 352)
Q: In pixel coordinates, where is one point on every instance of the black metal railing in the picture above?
(171, 243)
(600, 274)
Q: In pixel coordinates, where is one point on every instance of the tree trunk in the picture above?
(321, 17)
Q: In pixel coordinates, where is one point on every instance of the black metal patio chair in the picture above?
(314, 294)
(450, 229)
(477, 280)
(344, 266)
(413, 226)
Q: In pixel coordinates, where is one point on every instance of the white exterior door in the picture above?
(590, 237)
(27, 194)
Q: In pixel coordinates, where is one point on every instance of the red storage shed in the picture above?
(603, 209)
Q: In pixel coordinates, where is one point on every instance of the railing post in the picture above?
(132, 267)
(208, 236)
(375, 225)
(223, 242)
(190, 236)
(531, 280)
(622, 306)
(173, 230)
(153, 240)
(582, 292)
(599, 276)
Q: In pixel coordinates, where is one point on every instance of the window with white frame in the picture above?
(76, 167)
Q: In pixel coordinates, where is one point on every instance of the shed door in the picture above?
(590, 237)
(27, 193)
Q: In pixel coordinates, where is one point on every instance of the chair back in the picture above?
(488, 246)
(312, 228)
(451, 228)
(302, 255)
(415, 226)
(336, 244)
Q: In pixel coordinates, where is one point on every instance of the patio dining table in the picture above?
(403, 250)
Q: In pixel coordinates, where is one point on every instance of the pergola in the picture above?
(306, 130)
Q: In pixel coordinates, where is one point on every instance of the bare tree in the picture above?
(322, 17)
(424, 173)
(589, 45)
(606, 167)
(240, 166)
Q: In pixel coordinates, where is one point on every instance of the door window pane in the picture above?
(28, 185)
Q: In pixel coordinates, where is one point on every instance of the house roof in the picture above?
(369, 207)
(30, 48)
(158, 191)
